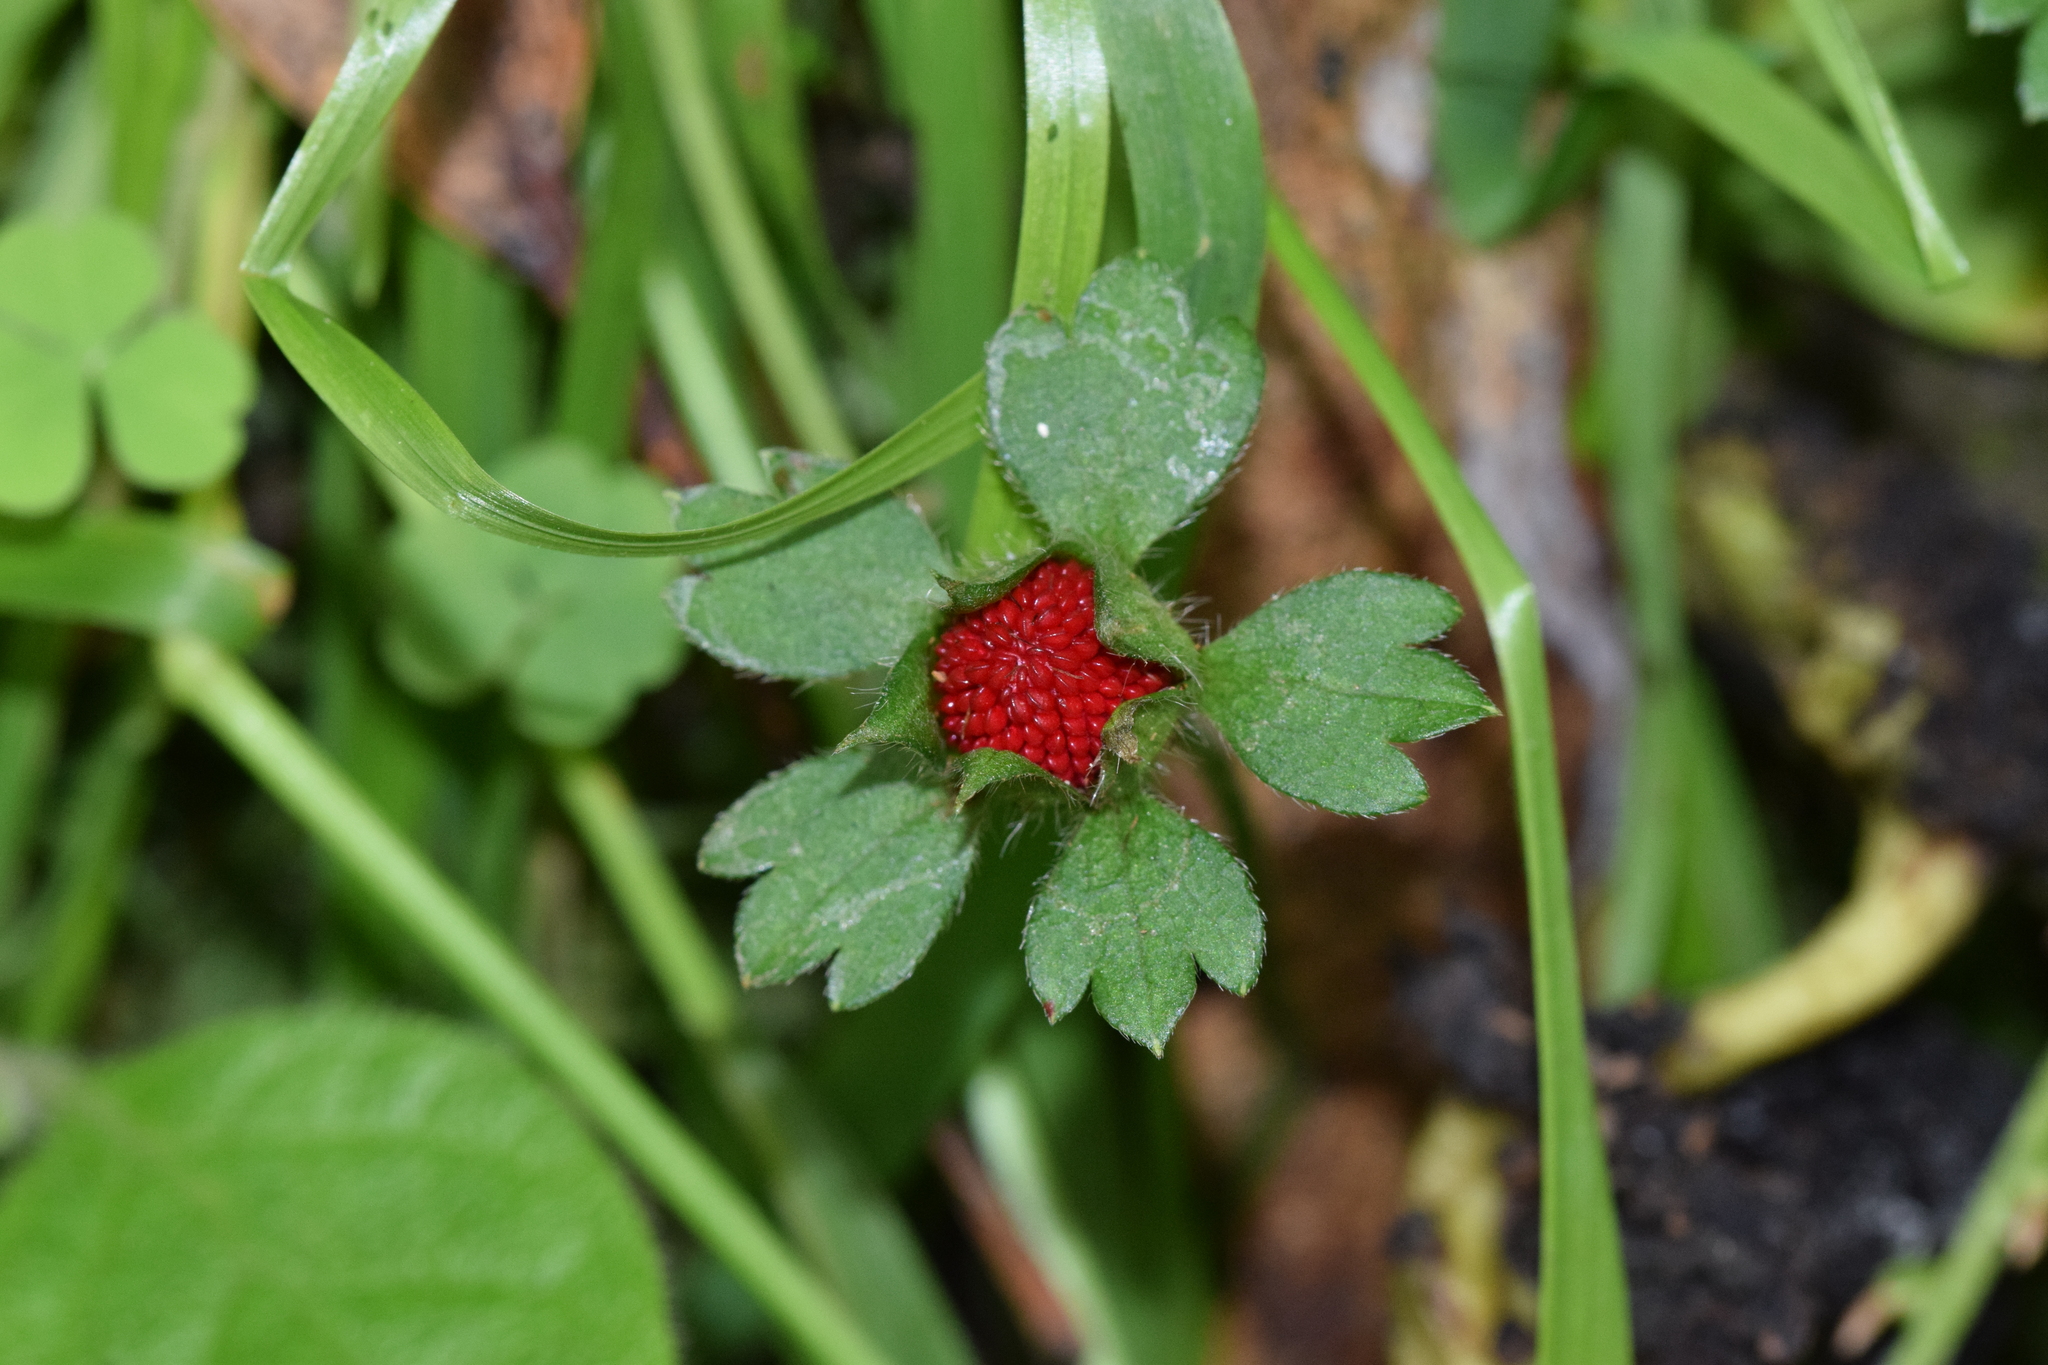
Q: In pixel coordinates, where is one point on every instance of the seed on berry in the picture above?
(1028, 674)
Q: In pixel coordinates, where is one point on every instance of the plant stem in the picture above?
(689, 356)
(676, 46)
(1583, 1299)
(223, 696)
(695, 981)
(101, 821)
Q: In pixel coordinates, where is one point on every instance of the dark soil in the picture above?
(1753, 1216)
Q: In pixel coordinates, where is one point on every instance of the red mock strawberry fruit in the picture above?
(1028, 675)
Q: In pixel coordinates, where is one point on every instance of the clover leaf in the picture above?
(865, 861)
(1140, 896)
(172, 391)
(1117, 430)
(1314, 689)
(838, 596)
(571, 639)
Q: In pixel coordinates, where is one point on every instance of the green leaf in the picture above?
(1757, 116)
(572, 639)
(1314, 688)
(174, 400)
(836, 597)
(1066, 154)
(1119, 431)
(393, 38)
(1140, 896)
(329, 1187)
(864, 866)
(2033, 86)
(75, 284)
(47, 429)
(142, 572)
(1192, 134)
(404, 435)
(2002, 16)
(1490, 65)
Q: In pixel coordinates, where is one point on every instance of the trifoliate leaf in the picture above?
(174, 399)
(45, 429)
(865, 863)
(1118, 431)
(845, 594)
(324, 1188)
(1139, 897)
(1315, 688)
(75, 284)
(572, 639)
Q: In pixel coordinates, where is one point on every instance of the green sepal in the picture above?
(907, 715)
(1135, 735)
(980, 769)
(1131, 620)
(1315, 688)
(965, 595)
(1141, 896)
(864, 859)
(839, 596)
(1119, 429)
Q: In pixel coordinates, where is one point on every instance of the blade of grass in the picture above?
(406, 436)
(257, 730)
(1192, 134)
(145, 573)
(1842, 54)
(1949, 1293)
(33, 657)
(697, 376)
(22, 25)
(675, 45)
(97, 831)
(836, 1210)
(1582, 1310)
(150, 55)
(1719, 86)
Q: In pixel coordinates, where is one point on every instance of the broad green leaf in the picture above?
(391, 41)
(1834, 37)
(1140, 896)
(142, 572)
(327, 1187)
(1118, 431)
(836, 597)
(1490, 65)
(45, 428)
(864, 865)
(75, 284)
(1758, 117)
(570, 638)
(1192, 134)
(1066, 154)
(398, 428)
(2002, 16)
(174, 399)
(1315, 688)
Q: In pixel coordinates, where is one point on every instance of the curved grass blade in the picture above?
(143, 573)
(1192, 132)
(1755, 115)
(1833, 35)
(389, 46)
(398, 427)
(1582, 1308)
(1066, 154)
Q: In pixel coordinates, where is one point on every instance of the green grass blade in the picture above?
(389, 47)
(1066, 154)
(397, 427)
(1191, 132)
(22, 25)
(150, 56)
(145, 573)
(1490, 64)
(1582, 1310)
(676, 47)
(1833, 35)
(1949, 1294)
(697, 376)
(1722, 88)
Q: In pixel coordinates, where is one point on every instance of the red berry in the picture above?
(1028, 675)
